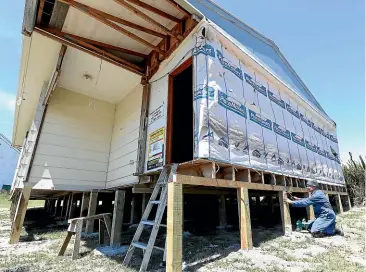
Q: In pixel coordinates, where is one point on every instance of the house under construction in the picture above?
(114, 93)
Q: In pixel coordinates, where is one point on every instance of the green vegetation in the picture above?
(5, 202)
(354, 174)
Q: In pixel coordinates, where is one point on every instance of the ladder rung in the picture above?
(147, 222)
(155, 201)
(139, 245)
(159, 248)
(162, 225)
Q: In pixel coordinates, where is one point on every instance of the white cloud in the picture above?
(7, 101)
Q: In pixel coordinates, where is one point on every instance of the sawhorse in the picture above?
(75, 227)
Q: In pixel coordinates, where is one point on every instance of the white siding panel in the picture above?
(73, 150)
(65, 184)
(125, 140)
(122, 161)
(124, 150)
(61, 162)
(67, 152)
(82, 144)
(64, 173)
(121, 172)
(125, 180)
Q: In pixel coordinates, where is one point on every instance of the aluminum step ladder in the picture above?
(162, 188)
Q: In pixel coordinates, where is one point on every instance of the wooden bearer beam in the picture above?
(87, 10)
(118, 210)
(147, 18)
(22, 206)
(155, 10)
(174, 227)
(245, 224)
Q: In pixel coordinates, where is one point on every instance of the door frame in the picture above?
(169, 125)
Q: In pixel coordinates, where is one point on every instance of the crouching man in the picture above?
(325, 218)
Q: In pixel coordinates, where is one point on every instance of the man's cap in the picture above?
(312, 183)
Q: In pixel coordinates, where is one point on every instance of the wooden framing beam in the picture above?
(174, 242)
(58, 15)
(147, 18)
(97, 43)
(186, 14)
(124, 22)
(21, 209)
(30, 17)
(77, 45)
(87, 10)
(245, 224)
(225, 183)
(144, 119)
(155, 10)
(40, 11)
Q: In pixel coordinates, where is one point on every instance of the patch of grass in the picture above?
(5, 203)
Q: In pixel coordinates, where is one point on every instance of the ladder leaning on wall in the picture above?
(162, 188)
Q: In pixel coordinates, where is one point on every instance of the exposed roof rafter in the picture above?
(155, 10)
(186, 14)
(93, 50)
(148, 19)
(89, 11)
(97, 43)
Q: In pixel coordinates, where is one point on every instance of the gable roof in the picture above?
(264, 50)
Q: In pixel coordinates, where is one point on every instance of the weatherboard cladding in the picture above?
(234, 122)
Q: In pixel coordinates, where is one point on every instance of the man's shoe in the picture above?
(338, 231)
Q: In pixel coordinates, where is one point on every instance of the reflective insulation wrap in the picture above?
(243, 119)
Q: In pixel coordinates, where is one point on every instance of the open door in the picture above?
(180, 115)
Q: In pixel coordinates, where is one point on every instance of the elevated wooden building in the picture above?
(112, 91)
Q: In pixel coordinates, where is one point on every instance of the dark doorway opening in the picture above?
(180, 114)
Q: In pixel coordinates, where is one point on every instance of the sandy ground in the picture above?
(219, 251)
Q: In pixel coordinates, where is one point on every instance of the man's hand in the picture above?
(296, 198)
(285, 198)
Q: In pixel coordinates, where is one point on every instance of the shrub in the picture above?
(354, 174)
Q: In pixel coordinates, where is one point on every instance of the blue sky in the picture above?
(323, 40)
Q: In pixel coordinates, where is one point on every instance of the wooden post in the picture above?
(119, 204)
(84, 204)
(174, 227)
(58, 206)
(145, 199)
(91, 211)
(310, 210)
(63, 209)
(69, 205)
(133, 209)
(245, 224)
(349, 202)
(285, 214)
(222, 211)
(339, 204)
(258, 202)
(21, 209)
(79, 227)
(72, 206)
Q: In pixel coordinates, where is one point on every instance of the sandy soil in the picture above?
(219, 251)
